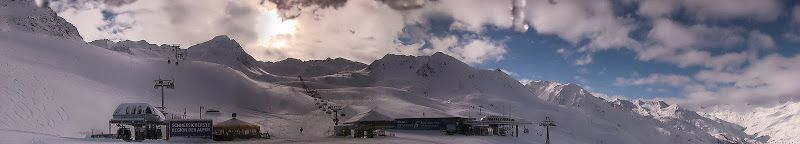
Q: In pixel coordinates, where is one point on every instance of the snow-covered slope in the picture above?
(137, 48)
(225, 51)
(48, 80)
(26, 16)
(66, 88)
(677, 121)
(778, 124)
(292, 67)
(55, 85)
(442, 85)
(219, 50)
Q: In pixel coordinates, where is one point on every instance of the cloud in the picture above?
(684, 33)
(518, 12)
(688, 45)
(342, 32)
(470, 50)
(290, 9)
(594, 26)
(305, 29)
(796, 14)
(578, 21)
(714, 10)
(759, 40)
(584, 60)
(766, 81)
(405, 4)
(672, 80)
(670, 34)
(793, 33)
(185, 22)
(656, 8)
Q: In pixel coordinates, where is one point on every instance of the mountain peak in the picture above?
(226, 51)
(26, 16)
(221, 38)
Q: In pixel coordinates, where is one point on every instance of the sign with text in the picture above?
(193, 128)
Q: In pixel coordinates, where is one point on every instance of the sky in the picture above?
(696, 53)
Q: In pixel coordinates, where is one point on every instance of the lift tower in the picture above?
(163, 83)
(547, 123)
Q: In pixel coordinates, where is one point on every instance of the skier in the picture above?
(301, 130)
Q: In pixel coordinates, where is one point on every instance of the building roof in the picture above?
(137, 113)
(370, 115)
(235, 123)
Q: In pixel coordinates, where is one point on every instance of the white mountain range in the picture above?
(55, 87)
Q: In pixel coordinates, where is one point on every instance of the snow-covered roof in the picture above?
(137, 112)
(370, 115)
(235, 123)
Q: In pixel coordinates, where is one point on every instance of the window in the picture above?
(148, 111)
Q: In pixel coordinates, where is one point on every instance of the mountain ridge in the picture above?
(26, 16)
(668, 116)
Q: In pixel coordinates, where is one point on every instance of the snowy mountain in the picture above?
(678, 121)
(137, 48)
(292, 67)
(778, 124)
(67, 88)
(26, 16)
(225, 51)
(219, 50)
(51, 77)
(59, 87)
(444, 79)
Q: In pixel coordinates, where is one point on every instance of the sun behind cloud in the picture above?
(272, 29)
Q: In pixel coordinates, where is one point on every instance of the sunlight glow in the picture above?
(272, 30)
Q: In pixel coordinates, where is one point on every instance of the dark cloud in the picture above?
(112, 3)
(177, 12)
(405, 4)
(117, 3)
(291, 9)
(518, 11)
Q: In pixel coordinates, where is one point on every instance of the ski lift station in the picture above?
(142, 121)
(145, 119)
(373, 123)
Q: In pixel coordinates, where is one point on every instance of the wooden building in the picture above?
(235, 129)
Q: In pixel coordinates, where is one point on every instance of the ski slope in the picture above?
(56, 88)
(671, 119)
(777, 124)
